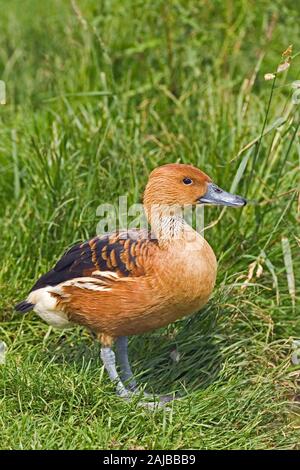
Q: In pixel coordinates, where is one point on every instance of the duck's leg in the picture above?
(109, 361)
(126, 372)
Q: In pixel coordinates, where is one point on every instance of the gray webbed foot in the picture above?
(126, 386)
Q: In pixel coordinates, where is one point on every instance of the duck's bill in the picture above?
(217, 196)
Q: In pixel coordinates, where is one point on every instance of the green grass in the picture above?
(99, 94)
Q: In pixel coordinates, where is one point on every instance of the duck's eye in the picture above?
(217, 190)
(187, 181)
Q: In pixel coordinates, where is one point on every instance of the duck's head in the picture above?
(180, 184)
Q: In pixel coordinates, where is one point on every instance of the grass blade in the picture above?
(288, 262)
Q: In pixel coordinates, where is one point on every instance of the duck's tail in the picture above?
(24, 306)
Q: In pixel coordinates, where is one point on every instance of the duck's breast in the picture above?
(187, 272)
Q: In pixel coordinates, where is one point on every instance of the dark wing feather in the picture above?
(119, 252)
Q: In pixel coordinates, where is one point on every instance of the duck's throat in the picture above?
(170, 228)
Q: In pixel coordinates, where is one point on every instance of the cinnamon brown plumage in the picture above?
(130, 282)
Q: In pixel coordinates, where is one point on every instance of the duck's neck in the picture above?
(168, 228)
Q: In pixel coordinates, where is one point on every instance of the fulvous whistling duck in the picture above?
(133, 281)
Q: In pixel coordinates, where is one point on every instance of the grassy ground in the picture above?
(98, 94)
